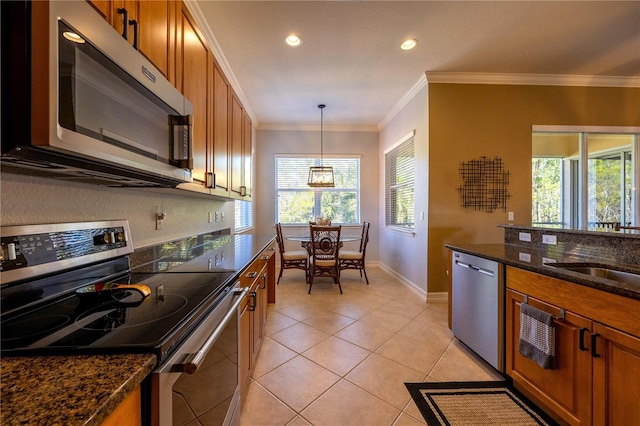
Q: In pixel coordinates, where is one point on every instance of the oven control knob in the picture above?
(11, 251)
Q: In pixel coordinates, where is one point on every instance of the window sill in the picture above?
(404, 231)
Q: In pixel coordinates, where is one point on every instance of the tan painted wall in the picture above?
(467, 121)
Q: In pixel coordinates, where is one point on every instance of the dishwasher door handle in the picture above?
(482, 270)
(475, 268)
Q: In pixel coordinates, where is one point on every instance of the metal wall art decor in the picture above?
(484, 184)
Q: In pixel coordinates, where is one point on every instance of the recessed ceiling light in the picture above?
(293, 40)
(73, 37)
(408, 44)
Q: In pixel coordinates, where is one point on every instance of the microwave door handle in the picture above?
(136, 27)
(125, 21)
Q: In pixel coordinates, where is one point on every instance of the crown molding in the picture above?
(413, 91)
(534, 79)
(316, 128)
(195, 10)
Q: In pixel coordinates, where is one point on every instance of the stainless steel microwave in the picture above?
(78, 102)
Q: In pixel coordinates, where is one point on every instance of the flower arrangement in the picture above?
(323, 220)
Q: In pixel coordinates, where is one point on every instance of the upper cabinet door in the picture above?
(154, 32)
(220, 123)
(123, 14)
(236, 146)
(148, 25)
(247, 153)
(103, 7)
(192, 72)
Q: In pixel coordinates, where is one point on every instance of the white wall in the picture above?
(406, 254)
(268, 143)
(32, 200)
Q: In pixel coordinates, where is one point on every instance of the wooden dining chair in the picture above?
(325, 249)
(351, 259)
(293, 259)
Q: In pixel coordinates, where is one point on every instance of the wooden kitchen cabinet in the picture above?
(193, 62)
(218, 158)
(103, 7)
(567, 390)
(241, 150)
(154, 27)
(222, 144)
(236, 146)
(247, 154)
(260, 277)
(597, 351)
(128, 412)
(616, 377)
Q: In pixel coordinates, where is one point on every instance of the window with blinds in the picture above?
(297, 203)
(399, 185)
(243, 215)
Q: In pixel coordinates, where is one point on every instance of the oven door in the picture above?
(199, 383)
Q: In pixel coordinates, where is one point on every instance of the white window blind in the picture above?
(297, 203)
(399, 185)
(243, 215)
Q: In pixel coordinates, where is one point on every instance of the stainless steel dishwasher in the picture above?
(478, 306)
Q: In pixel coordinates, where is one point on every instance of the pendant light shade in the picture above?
(321, 176)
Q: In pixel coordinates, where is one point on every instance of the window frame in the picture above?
(315, 160)
(575, 186)
(391, 188)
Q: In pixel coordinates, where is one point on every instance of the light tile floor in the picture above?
(342, 359)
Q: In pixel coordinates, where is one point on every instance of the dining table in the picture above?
(305, 240)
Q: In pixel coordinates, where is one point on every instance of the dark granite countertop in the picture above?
(85, 389)
(231, 252)
(68, 390)
(534, 259)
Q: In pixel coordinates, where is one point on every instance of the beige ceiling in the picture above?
(350, 58)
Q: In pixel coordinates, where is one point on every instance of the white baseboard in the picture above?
(410, 285)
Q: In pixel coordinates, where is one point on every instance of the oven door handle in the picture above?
(193, 361)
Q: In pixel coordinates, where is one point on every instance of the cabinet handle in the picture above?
(135, 25)
(583, 331)
(264, 281)
(265, 257)
(252, 274)
(125, 21)
(254, 300)
(594, 339)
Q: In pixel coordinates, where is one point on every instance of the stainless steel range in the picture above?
(69, 288)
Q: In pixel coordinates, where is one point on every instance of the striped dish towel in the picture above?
(537, 336)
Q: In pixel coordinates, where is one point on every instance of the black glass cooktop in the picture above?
(121, 320)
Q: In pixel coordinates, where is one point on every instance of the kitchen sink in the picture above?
(600, 271)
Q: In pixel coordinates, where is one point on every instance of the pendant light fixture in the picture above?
(321, 177)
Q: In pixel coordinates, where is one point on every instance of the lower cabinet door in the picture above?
(616, 369)
(567, 389)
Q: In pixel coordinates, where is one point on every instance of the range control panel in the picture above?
(56, 246)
